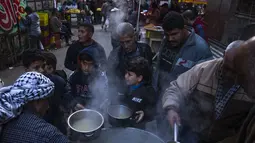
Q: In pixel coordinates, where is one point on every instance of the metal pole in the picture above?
(169, 3)
(138, 17)
(133, 4)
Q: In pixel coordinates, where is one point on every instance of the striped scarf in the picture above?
(28, 87)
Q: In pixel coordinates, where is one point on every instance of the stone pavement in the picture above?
(102, 37)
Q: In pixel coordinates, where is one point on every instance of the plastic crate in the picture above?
(44, 18)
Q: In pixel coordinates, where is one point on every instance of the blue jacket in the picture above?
(194, 50)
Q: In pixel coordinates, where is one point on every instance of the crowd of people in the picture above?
(210, 99)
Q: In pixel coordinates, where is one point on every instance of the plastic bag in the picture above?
(107, 22)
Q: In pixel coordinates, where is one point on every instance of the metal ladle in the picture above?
(176, 131)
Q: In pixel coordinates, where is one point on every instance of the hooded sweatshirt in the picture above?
(200, 28)
(85, 87)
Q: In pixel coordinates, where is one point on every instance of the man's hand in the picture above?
(139, 116)
(173, 117)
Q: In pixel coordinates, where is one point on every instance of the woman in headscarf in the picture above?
(21, 107)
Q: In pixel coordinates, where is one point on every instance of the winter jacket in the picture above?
(117, 63)
(142, 98)
(247, 132)
(55, 24)
(85, 87)
(74, 50)
(193, 96)
(172, 62)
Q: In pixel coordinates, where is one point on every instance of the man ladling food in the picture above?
(207, 100)
(244, 62)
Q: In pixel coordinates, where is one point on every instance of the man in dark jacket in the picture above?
(180, 51)
(129, 49)
(85, 34)
(141, 97)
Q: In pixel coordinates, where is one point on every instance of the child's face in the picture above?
(87, 66)
(37, 66)
(132, 78)
(48, 69)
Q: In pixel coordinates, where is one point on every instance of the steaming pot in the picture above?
(119, 115)
(95, 124)
(126, 135)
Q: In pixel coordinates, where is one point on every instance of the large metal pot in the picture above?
(126, 135)
(85, 124)
(119, 115)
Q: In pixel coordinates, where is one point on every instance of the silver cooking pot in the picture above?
(77, 122)
(120, 115)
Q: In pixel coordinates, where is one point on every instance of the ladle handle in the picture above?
(176, 131)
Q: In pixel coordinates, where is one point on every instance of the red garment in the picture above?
(199, 21)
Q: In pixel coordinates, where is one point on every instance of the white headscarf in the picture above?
(28, 87)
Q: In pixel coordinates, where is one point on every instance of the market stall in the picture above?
(72, 13)
(154, 36)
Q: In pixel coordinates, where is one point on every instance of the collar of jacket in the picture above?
(134, 87)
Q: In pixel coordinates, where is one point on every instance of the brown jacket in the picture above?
(193, 95)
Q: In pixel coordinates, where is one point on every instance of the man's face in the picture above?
(84, 35)
(175, 37)
(41, 106)
(87, 66)
(132, 78)
(37, 66)
(128, 43)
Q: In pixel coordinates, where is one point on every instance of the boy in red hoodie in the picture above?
(197, 23)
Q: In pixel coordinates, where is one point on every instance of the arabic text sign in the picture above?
(10, 10)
